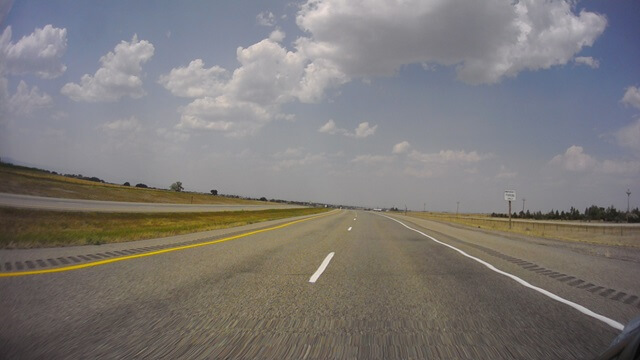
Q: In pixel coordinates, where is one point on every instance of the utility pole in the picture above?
(405, 209)
(457, 206)
(523, 200)
(424, 207)
(628, 196)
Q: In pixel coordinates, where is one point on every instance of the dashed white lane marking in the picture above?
(321, 269)
(349, 229)
(614, 324)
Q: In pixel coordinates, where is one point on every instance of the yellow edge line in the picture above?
(157, 252)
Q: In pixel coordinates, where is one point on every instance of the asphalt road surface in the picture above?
(48, 203)
(343, 285)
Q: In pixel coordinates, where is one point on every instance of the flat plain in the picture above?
(27, 181)
(622, 235)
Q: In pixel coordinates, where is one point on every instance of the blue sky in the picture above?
(373, 103)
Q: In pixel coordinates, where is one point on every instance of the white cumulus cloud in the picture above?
(236, 118)
(39, 53)
(330, 127)
(277, 35)
(25, 102)
(268, 73)
(362, 131)
(486, 40)
(401, 148)
(588, 61)
(576, 160)
(119, 75)
(266, 18)
(248, 97)
(632, 97)
(195, 80)
(365, 130)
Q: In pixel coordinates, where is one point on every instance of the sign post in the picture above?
(510, 195)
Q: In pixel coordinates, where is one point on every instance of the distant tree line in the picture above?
(81, 177)
(592, 213)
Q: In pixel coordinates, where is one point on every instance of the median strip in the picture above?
(24, 228)
(157, 252)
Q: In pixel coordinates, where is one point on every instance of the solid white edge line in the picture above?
(349, 229)
(322, 267)
(614, 324)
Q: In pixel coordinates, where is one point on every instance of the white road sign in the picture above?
(510, 195)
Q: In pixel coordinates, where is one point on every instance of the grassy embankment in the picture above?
(605, 234)
(21, 228)
(20, 180)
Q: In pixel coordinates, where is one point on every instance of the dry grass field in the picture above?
(23, 228)
(593, 233)
(19, 180)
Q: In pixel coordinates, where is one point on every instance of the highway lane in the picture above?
(388, 292)
(47, 203)
(606, 271)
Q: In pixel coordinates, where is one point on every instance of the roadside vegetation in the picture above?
(592, 213)
(21, 228)
(592, 233)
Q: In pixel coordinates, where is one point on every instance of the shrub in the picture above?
(176, 186)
